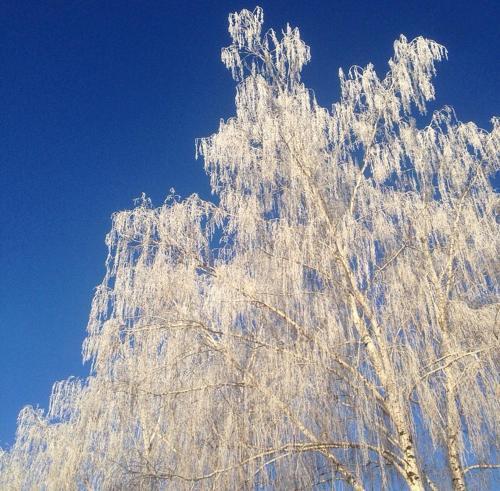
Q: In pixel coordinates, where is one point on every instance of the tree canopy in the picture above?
(331, 321)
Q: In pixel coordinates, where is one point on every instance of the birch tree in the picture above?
(331, 323)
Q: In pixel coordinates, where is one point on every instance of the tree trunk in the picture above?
(453, 427)
(412, 472)
(394, 404)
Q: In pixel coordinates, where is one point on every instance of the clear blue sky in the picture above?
(102, 100)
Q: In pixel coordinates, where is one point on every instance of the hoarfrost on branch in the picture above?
(333, 321)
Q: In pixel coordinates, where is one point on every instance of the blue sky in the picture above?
(102, 100)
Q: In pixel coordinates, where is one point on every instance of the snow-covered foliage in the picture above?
(331, 323)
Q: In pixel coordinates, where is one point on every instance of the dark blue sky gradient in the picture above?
(102, 100)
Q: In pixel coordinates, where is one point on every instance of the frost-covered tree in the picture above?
(332, 323)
